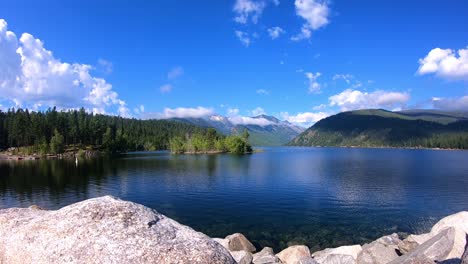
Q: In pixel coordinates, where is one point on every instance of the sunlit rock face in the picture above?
(102, 230)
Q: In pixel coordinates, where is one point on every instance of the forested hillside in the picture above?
(43, 130)
(380, 128)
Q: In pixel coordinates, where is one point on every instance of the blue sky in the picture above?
(298, 60)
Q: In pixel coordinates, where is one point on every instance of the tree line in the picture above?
(51, 131)
(210, 141)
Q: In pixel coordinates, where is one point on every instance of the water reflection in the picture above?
(321, 197)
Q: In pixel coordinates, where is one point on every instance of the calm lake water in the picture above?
(322, 197)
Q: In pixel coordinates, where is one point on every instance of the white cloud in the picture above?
(305, 33)
(30, 75)
(275, 32)
(354, 99)
(182, 112)
(106, 66)
(236, 119)
(166, 88)
(262, 92)
(446, 64)
(319, 107)
(250, 9)
(175, 73)
(243, 37)
(139, 110)
(232, 111)
(314, 86)
(305, 119)
(345, 77)
(257, 111)
(246, 9)
(243, 120)
(315, 13)
(451, 104)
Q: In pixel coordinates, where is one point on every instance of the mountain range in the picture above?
(382, 128)
(264, 130)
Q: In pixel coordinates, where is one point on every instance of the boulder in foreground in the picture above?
(102, 230)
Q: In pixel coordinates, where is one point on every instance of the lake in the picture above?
(321, 197)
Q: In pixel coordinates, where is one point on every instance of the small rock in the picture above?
(242, 257)
(265, 256)
(238, 242)
(381, 251)
(292, 255)
(435, 249)
(342, 255)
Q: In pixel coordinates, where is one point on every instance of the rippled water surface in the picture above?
(321, 197)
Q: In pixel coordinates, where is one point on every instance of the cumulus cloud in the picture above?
(243, 120)
(233, 111)
(262, 92)
(243, 37)
(445, 63)
(30, 76)
(257, 111)
(235, 118)
(354, 99)
(451, 104)
(246, 10)
(305, 119)
(314, 86)
(315, 13)
(175, 73)
(275, 32)
(182, 112)
(166, 88)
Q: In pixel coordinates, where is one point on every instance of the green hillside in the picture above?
(381, 128)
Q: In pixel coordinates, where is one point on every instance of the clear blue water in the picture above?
(322, 197)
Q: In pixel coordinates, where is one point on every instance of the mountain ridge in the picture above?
(264, 130)
(383, 128)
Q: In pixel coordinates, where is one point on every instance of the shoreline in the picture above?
(160, 239)
(375, 147)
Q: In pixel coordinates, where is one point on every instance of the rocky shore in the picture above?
(109, 230)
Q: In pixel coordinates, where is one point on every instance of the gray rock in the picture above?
(435, 249)
(293, 254)
(337, 259)
(242, 257)
(224, 242)
(459, 221)
(464, 258)
(306, 260)
(238, 242)
(381, 251)
(341, 255)
(102, 230)
(265, 256)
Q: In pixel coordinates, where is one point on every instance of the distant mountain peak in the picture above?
(269, 118)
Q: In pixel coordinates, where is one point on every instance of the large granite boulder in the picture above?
(265, 256)
(238, 242)
(381, 251)
(294, 254)
(435, 249)
(102, 230)
(341, 255)
(458, 221)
